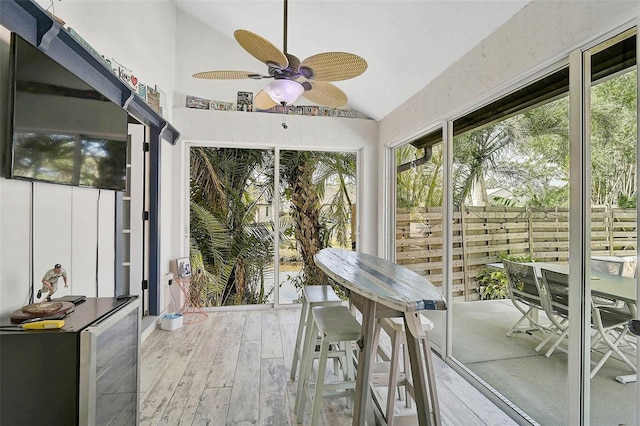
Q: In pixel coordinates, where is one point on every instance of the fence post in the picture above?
(529, 214)
(465, 269)
(610, 227)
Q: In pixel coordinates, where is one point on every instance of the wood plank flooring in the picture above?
(233, 369)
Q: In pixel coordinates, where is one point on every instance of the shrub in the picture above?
(493, 282)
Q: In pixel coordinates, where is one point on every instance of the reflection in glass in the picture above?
(614, 196)
(70, 159)
(419, 216)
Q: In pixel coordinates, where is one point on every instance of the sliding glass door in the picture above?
(419, 216)
(510, 194)
(526, 208)
(258, 216)
(612, 138)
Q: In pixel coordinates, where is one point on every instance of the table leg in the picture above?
(426, 396)
(365, 361)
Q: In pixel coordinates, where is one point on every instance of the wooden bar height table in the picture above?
(381, 289)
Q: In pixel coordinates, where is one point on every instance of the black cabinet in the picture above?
(85, 373)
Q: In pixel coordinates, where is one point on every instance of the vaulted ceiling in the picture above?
(405, 43)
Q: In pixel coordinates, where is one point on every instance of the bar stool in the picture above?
(313, 295)
(394, 378)
(338, 329)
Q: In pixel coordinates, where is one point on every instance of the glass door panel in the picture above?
(419, 219)
(317, 210)
(613, 143)
(232, 236)
(510, 184)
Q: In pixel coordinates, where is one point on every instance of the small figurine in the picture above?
(50, 281)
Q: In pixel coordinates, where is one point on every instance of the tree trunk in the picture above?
(306, 215)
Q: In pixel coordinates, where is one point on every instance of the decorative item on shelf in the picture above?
(126, 75)
(310, 110)
(245, 101)
(345, 112)
(222, 106)
(163, 101)
(153, 99)
(197, 103)
(106, 62)
(326, 111)
(142, 91)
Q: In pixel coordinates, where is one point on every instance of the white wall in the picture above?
(539, 35)
(200, 48)
(262, 130)
(141, 36)
(68, 221)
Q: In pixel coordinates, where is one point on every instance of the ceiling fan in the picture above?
(293, 78)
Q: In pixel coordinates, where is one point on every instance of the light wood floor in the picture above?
(233, 369)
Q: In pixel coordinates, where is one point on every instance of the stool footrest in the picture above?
(380, 375)
(337, 327)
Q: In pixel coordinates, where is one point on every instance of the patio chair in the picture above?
(630, 266)
(554, 294)
(611, 333)
(523, 291)
(608, 264)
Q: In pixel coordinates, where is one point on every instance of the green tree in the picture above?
(223, 225)
(419, 186)
(477, 157)
(305, 177)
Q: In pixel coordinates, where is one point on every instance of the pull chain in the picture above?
(284, 116)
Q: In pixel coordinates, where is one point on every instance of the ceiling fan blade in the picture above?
(227, 75)
(334, 66)
(263, 101)
(325, 94)
(261, 48)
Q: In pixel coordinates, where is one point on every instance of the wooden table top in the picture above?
(379, 280)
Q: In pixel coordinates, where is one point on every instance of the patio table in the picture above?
(610, 286)
(382, 289)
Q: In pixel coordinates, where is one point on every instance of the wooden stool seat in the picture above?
(338, 328)
(387, 373)
(313, 295)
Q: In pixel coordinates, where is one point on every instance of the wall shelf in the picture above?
(35, 25)
(27, 19)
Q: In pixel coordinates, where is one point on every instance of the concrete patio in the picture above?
(533, 382)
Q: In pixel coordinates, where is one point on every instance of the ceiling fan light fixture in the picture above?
(284, 91)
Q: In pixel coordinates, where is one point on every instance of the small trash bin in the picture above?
(171, 321)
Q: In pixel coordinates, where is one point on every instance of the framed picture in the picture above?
(184, 267)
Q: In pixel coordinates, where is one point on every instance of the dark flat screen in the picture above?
(62, 130)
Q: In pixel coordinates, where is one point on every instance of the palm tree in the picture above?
(305, 175)
(226, 185)
(223, 212)
(475, 154)
(419, 186)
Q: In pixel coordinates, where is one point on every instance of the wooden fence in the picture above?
(482, 234)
